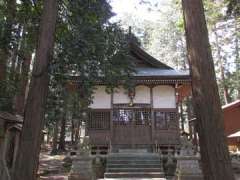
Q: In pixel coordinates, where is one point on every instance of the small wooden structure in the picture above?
(231, 113)
(10, 130)
(143, 118)
(231, 116)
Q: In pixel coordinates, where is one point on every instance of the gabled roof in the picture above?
(158, 72)
(148, 66)
(149, 70)
(142, 55)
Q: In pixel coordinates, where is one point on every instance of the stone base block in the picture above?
(189, 177)
(81, 169)
(79, 177)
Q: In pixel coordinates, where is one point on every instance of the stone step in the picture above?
(132, 151)
(125, 170)
(134, 158)
(134, 165)
(127, 161)
(133, 155)
(134, 175)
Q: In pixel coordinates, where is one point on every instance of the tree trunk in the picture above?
(72, 132)
(28, 154)
(14, 54)
(226, 96)
(189, 115)
(55, 139)
(3, 65)
(77, 132)
(4, 172)
(21, 96)
(237, 35)
(237, 57)
(48, 136)
(214, 152)
(61, 146)
(6, 37)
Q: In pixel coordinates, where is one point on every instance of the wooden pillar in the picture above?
(111, 124)
(152, 115)
(177, 98)
(190, 130)
(1, 133)
(5, 146)
(132, 124)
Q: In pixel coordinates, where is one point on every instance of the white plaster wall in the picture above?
(120, 95)
(142, 94)
(101, 99)
(164, 97)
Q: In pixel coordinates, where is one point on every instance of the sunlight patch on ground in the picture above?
(45, 157)
(54, 178)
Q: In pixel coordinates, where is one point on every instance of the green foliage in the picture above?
(7, 89)
(213, 12)
(89, 49)
(19, 24)
(164, 38)
(233, 7)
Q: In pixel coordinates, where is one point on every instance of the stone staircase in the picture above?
(134, 165)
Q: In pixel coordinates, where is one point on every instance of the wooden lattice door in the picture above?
(131, 126)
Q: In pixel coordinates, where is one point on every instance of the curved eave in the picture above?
(139, 52)
(182, 77)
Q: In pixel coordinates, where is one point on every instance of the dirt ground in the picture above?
(51, 167)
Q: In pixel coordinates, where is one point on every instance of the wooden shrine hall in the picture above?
(146, 118)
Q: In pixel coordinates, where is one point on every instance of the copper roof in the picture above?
(155, 72)
(149, 68)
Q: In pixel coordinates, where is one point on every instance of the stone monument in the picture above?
(82, 168)
(188, 162)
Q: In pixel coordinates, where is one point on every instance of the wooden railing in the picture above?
(99, 120)
(165, 120)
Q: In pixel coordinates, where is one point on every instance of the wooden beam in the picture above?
(111, 124)
(152, 114)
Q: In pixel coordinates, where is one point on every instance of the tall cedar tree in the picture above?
(27, 159)
(5, 37)
(214, 153)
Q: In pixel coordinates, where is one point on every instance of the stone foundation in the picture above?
(189, 177)
(188, 168)
(82, 169)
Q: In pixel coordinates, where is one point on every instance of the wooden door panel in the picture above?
(122, 134)
(131, 134)
(142, 134)
(131, 126)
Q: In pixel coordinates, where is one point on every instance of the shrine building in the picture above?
(146, 118)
